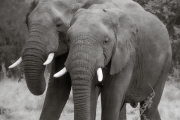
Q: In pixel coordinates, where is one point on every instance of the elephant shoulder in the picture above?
(133, 5)
(128, 5)
(106, 5)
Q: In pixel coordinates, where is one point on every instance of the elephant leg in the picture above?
(122, 114)
(57, 92)
(113, 92)
(152, 113)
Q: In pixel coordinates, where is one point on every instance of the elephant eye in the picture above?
(58, 24)
(104, 10)
(61, 27)
(106, 40)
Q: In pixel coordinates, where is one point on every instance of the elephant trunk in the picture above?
(81, 94)
(33, 57)
(81, 65)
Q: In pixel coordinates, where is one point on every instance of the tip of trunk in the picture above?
(34, 74)
(37, 88)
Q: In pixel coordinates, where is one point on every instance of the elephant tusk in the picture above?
(16, 63)
(60, 73)
(99, 74)
(49, 59)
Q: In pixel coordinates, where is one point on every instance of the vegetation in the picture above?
(17, 103)
(13, 30)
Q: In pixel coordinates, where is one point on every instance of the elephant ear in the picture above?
(33, 5)
(125, 34)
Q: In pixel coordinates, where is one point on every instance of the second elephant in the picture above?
(47, 22)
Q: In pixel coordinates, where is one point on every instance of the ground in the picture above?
(17, 103)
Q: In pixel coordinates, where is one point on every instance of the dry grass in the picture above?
(17, 103)
(169, 106)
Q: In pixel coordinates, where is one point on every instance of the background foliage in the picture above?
(168, 11)
(13, 30)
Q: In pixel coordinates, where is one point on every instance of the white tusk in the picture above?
(16, 63)
(99, 74)
(49, 59)
(60, 73)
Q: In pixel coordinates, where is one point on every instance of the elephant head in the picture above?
(97, 38)
(47, 22)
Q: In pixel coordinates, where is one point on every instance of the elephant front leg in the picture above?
(57, 93)
(113, 93)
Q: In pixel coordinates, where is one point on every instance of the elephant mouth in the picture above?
(64, 71)
(100, 85)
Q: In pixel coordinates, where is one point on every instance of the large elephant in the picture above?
(47, 22)
(130, 46)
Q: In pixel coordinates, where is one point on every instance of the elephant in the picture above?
(47, 22)
(127, 49)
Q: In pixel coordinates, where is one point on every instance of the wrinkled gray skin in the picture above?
(131, 46)
(48, 21)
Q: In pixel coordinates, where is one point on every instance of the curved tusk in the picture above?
(99, 74)
(49, 59)
(60, 73)
(16, 63)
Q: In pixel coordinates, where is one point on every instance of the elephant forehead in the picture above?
(106, 5)
(92, 15)
(39, 17)
(91, 24)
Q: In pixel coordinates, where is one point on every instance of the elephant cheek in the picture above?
(100, 61)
